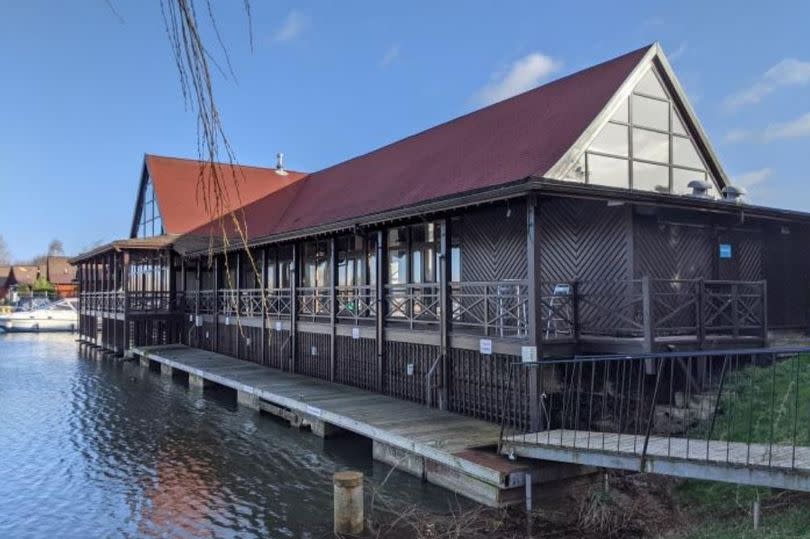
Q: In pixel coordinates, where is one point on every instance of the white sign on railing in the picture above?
(485, 346)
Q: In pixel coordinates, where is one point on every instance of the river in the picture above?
(103, 448)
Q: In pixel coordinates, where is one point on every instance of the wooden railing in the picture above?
(655, 310)
(497, 309)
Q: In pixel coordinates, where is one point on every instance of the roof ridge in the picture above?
(235, 164)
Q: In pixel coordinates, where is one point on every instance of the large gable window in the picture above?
(150, 222)
(644, 145)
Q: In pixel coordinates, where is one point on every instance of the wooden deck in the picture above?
(442, 447)
(778, 466)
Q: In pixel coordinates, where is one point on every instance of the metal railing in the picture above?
(747, 407)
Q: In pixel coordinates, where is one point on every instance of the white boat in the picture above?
(60, 315)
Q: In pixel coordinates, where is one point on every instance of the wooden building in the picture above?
(589, 215)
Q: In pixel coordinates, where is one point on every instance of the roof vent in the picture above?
(280, 164)
(700, 188)
(734, 194)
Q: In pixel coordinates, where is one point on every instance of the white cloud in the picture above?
(677, 53)
(390, 55)
(788, 72)
(752, 178)
(738, 135)
(291, 28)
(800, 127)
(524, 74)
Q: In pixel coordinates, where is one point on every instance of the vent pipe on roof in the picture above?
(280, 164)
(733, 194)
(700, 189)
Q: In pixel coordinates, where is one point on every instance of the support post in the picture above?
(381, 303)
(444, 309)
(237, 304)
(263, 285)
(215, 344)
(293, 307)
(534, 331)
(764, 312)
(333, 307)
(125, 288)
(701, 313)
(647, 309)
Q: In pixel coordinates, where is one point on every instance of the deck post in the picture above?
(114, 303)
(293, 307)
(333, 306)
(198, 270)
(381, 278)
(533, 330)
(735, 304)
(575, 311)
(701, 313)
(647, 313)
(444, 310)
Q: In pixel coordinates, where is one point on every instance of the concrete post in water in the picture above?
(756, 512)
(348, 502)
(166, 370)
(144, 362)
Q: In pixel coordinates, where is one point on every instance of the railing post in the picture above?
(575, 310)
(647, 313)
(735, 316)
(237, 303)
(764, 303)
(215, 344)
(263, 286)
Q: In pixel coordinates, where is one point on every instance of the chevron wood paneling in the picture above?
(493, 246)
(585, 240)
(671, 251)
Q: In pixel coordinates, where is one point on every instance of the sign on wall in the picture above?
(725, 250)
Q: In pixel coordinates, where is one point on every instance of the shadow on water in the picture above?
(101, 447)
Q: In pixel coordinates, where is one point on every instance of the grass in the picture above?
(759, 404)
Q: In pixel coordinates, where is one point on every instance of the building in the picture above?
(589, 215)
(5, 271)
(62, 275)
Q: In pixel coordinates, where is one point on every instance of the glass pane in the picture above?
(397, 266)
(647, 177)
(612, 139)
(681, 179)
(650, 113)
(650, 145)
(677, 124)
(650, 85)
(430, 266)
(621, 113)
(455, 264)
(608, 171)
(416, 276)
(418, 234)
(684, 153)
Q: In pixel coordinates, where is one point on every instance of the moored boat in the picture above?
(59, 315)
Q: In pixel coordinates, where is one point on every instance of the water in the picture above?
(104, 448)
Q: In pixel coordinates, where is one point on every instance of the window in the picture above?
(150, 222)
(643, 146)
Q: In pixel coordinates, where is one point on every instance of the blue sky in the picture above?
(85, 94)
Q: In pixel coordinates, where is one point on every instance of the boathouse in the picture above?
(587, 216)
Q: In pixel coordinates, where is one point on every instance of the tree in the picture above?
(43, 285)
(55, 248)
(5, 255)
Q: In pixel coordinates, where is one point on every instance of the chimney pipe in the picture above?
(733, 194)
(280, 164)
(700, 188)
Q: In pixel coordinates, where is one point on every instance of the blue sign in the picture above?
(725, 250)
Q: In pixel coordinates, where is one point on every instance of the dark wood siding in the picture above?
(493, 242)
(786, 266)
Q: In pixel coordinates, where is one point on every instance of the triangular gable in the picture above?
(646, 138)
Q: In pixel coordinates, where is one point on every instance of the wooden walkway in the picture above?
(440, 446)
(777, 465)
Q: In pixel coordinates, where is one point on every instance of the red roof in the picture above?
(509, 141)
(178, 188)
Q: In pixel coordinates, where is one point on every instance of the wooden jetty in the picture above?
(446, 449)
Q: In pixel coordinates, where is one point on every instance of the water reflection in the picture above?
(102, 448)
